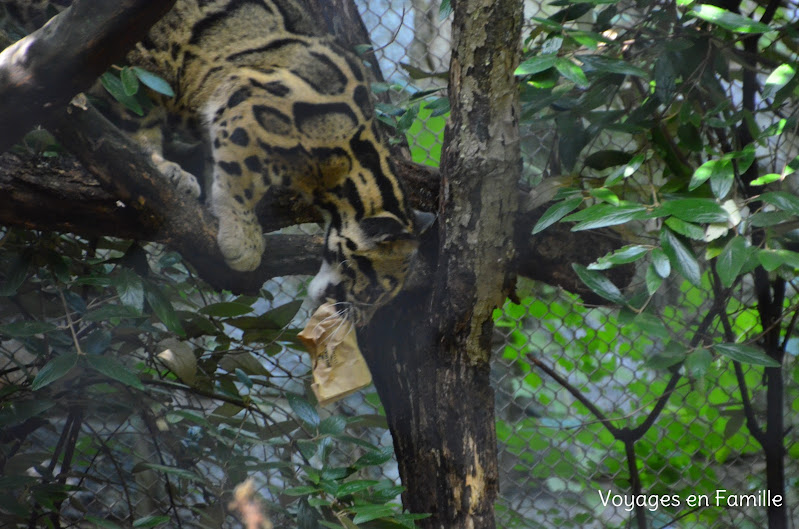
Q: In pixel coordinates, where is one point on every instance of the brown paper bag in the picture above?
(338, 365)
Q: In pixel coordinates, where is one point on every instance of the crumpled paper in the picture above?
(339, 368)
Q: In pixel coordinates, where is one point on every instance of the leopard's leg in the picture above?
(151, 136)
(238, 184)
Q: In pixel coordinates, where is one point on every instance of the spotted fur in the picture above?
(279, 104)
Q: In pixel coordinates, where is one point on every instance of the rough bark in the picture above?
(435, 383)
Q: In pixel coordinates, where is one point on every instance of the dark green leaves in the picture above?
(731, 260)
(24, 329)
(599, 284)
(701, 210)
(556, 212)
(601, 215)
(680, 256)
(746, 354)
(304, 410)
(113, 369)
(54, 370)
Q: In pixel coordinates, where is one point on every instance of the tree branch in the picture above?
(45, 69)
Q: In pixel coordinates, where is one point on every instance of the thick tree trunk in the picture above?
(430, 353)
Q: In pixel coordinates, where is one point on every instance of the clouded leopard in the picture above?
(278, 103)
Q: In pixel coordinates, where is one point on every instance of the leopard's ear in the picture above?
(422, 220)
(384, 228)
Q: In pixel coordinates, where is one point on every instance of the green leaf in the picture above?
(672, 354)
(304, 410)
(710, 169)
(15, 275)
(536, 64)
(571, 71)
(26, 329)
(665, 79)
(653, 280)
(601, 160)
(745, 354)
(130, 288)
(332, 425)
(773, 259)
(660, 262)
(599, 284)
(697, 363)
(702, 210)
(602, 215)
(151, 521)
(731, 260)
(556, 212)
(728, 20)
(766, 179)
(172, 471)
(606, 195)
(681, 257)
(367, 513)
(97, 342)
(53, 370)
(226, 309)
(130, 83)
(686, 229)
(153, 82)
(103, 524)
(301, 491)
(113, 369)
(602, 63)
(113, 85)
(243, 377)
(763, 219)
(275, 319)
(777, 79)
(351, 487)
(164, 310)
(626, 254)
(625, 172)
(375, 458)
(107, 312)
(782, 200)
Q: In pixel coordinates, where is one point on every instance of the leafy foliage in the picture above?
(671, 125)
(131, 372)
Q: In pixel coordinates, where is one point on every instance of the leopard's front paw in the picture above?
(241, 241)
(183, 181)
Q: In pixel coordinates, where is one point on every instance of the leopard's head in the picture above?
(366, 263)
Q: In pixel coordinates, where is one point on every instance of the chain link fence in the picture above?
(169, 459)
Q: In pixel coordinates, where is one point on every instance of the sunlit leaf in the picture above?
(780, 77)
(626, 254)
(536, 64)
(571, 71)
(728, 20)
